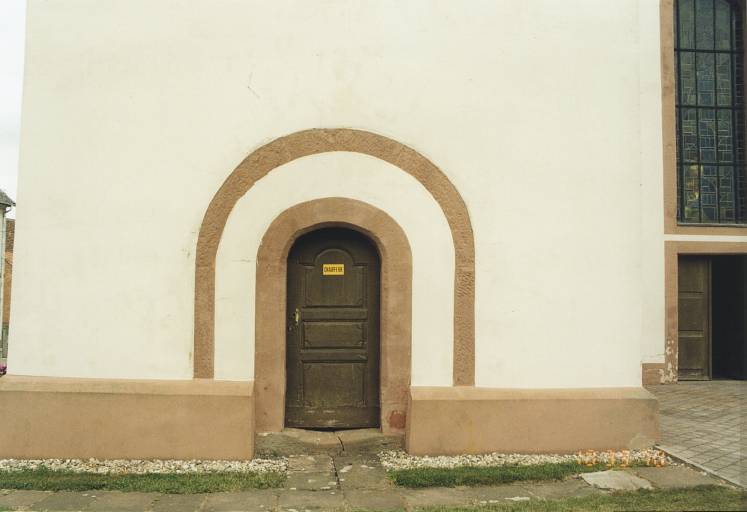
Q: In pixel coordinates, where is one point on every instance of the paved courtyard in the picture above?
(705, 423)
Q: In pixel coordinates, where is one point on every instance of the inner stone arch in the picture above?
(395, 307)
(347, 175)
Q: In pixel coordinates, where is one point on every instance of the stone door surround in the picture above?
(309, 142)
(395, 305)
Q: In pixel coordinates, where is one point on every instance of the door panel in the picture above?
(333, 385)
(332, 356)
(334, 290)
(694, 318)
(333, 334)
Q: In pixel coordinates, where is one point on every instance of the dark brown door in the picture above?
(694, 318)
(332, 357)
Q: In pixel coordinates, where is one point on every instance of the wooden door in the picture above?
(694, 318)
(332, 356)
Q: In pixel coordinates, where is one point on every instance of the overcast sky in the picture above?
(12, 22)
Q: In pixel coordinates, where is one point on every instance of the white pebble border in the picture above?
(396, 459)
(140, 467)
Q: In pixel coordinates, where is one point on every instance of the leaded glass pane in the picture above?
(691, 194)
(739, 136)
(725, 137)
(709, 193)
(726, 194)
(706, 79)
(686, 24)
(723, 79)
(689, 135)
(708, 214)
(707, 135)
(687, 78)
(704, 24)
(709, 186)
(723, 25)
(738, 68)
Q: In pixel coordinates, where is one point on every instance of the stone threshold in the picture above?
(294, 441)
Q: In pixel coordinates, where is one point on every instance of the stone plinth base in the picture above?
(454, 420)
(206, 419)
(46, 417)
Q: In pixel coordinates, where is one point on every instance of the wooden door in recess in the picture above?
(332, 342)
(694, 318)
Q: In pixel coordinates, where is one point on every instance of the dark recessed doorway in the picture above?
(712, 317)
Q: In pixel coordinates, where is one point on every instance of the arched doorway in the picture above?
(395, 326)
(310, 142)
(332, 335)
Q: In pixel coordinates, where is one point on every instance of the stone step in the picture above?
(293, 441)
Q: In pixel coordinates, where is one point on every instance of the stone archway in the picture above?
(396, 304)
(310, 142)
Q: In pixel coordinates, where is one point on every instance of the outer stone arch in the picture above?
(309, 142)
(270, 313)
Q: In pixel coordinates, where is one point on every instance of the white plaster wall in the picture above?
(136, 111)
(652, 184)
(359, 177)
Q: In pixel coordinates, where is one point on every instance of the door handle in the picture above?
(294, 320)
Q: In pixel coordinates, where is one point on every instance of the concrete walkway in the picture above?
(705, 424)
(323, 482)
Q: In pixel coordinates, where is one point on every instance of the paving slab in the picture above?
(616, 480)
(64, 500)
(300, 501)
(179, 503)
(292, 441)
(369, 499)
(114, 501)
(572, 487)
(317, 463)
(22, 499)
(436, 496)
(259, 500)
(361, 473)
(311, 481)
(671, 477)
(497, 494)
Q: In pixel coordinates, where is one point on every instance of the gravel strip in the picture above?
(140, 467)
(395, 459)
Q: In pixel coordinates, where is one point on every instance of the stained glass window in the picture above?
(709, 66)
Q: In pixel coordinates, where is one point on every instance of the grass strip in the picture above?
(489, 475)
(48, 480)
(703, 498)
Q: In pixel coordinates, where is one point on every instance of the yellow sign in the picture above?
(333, 269)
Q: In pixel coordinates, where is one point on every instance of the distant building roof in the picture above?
(5, 200)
